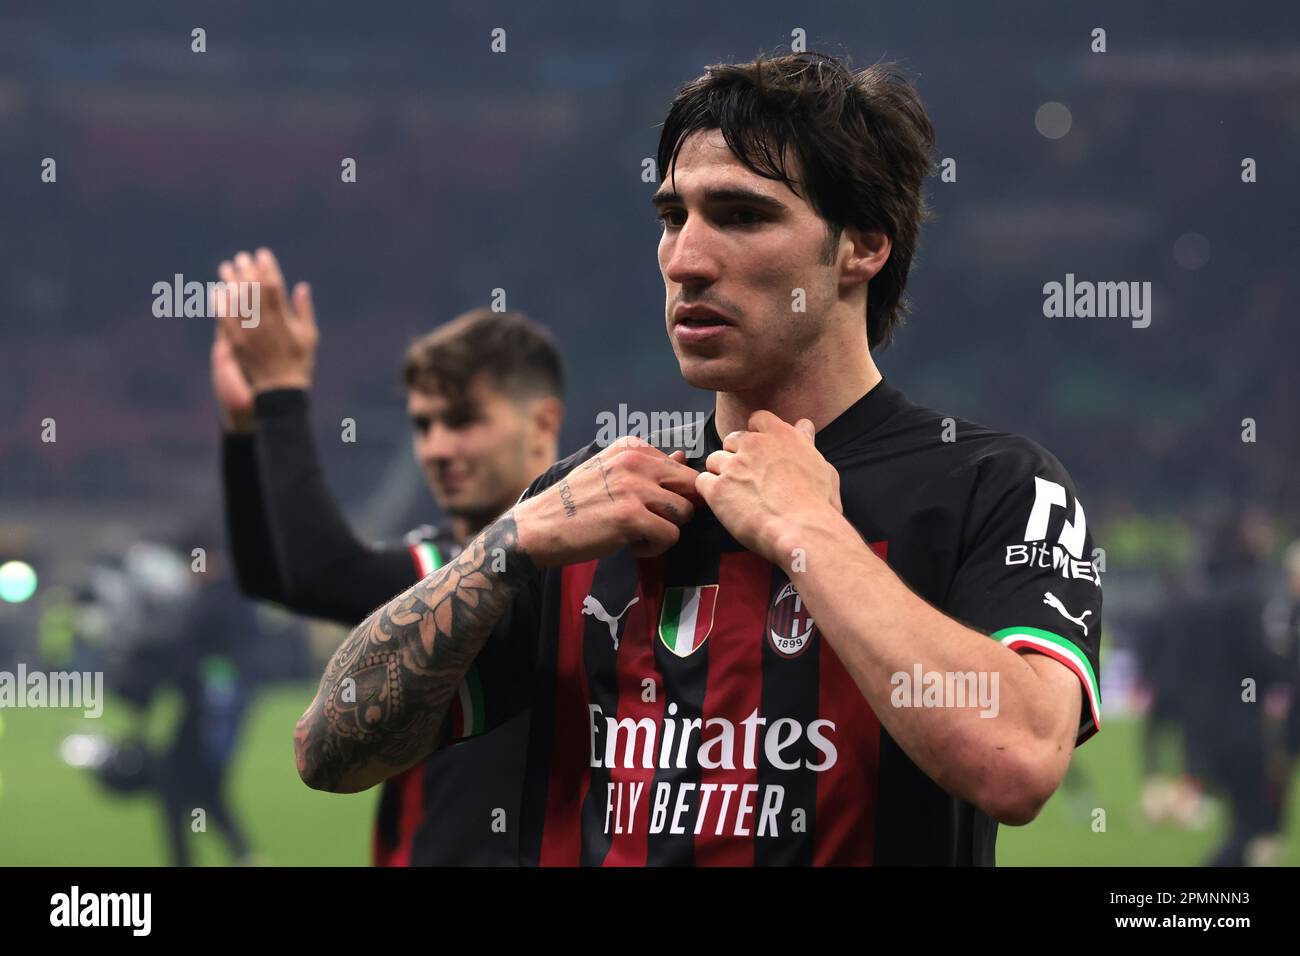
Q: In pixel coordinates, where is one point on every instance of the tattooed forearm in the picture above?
(387, 689)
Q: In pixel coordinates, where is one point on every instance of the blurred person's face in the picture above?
(739, 244)
(474, 451)
(1259, 533)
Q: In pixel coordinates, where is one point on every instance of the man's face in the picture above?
(740, 245)
(472, 451)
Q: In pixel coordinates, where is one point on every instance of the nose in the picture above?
(691, 253)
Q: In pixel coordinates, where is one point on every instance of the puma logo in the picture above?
(593, 607)
(1054, 601)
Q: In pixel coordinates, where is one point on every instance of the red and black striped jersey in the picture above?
(686, 710)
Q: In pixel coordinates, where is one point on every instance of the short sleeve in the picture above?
(1026, 576)
(499, 684)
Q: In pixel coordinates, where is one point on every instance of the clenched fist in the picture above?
(631, 494)
(768, 479)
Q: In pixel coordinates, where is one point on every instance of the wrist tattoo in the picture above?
(566, 498)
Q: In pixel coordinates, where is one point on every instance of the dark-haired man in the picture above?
(483, 394)
(855, 631)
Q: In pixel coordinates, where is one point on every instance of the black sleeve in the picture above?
(499, 684)
(1026, 577)
(249, 539)
(325, 571)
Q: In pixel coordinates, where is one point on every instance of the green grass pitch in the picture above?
(55, 815)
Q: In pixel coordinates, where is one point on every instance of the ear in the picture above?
(862, 254)
(546, 415)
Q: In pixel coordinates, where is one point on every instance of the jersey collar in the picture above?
(878, 404)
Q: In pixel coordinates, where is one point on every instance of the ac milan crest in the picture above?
(790, 628)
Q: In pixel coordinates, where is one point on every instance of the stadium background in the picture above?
(522, 171)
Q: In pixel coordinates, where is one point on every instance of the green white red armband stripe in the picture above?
(427, 558)
(467, 708)
(1066, 652)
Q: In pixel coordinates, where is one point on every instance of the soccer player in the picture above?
(483, 393)
(852, 631)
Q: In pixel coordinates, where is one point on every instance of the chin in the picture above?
(715, 374)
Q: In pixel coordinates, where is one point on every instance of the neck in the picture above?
(819, 387)
(466, 527)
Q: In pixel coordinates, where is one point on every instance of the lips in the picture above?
(698, 328)
(698, 316)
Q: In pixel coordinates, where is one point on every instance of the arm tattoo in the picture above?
(386, 691)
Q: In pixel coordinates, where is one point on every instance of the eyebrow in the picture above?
(454, 408)
(667, 197)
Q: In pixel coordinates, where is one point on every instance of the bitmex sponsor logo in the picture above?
(75, 908)
(946, 689)
(1064, 556)
(57, 689)
(1040, 555)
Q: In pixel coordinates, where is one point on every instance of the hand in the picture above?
(234, 394)
(768, 480)
(631, 494)
(279, 349)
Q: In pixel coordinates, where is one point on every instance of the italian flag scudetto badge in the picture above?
(687, 617)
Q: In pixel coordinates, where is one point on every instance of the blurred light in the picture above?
(1191, 251)
(1053, 120)
(17, 581)
(85, 750)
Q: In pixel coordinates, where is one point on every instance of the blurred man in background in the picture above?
(1282, 630)
(1173, 789)
(484, 396)
(152, 625)
(1226, 732)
